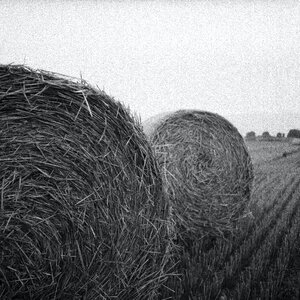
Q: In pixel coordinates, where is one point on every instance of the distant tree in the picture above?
(279, 135)
(266, 134)
(294, 133)
(250, 135)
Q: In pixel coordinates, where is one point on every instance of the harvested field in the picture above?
(81, 209)
(262, 151)
(262, 260)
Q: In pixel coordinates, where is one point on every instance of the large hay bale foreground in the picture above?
(81, 211)
(206, 169)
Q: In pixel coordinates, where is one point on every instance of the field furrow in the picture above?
(252, 277)
(262, 259)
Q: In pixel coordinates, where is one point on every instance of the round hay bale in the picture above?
(81, 209)
(206, 168)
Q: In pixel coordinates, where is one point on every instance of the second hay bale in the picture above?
(206, 168)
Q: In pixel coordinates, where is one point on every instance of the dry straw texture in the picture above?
(81, 212)
(206, 169)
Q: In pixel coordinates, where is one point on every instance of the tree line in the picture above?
(293, 133)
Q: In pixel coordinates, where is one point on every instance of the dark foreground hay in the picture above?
(206, 169)
(81, 212)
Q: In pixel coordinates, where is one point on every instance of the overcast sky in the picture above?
(240, 59)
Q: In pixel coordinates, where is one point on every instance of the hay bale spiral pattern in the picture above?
(81, 211)
(206, 168)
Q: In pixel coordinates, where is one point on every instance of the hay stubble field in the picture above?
(262, 260)
(275, 203)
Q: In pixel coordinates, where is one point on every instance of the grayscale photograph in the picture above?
(149, 149)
